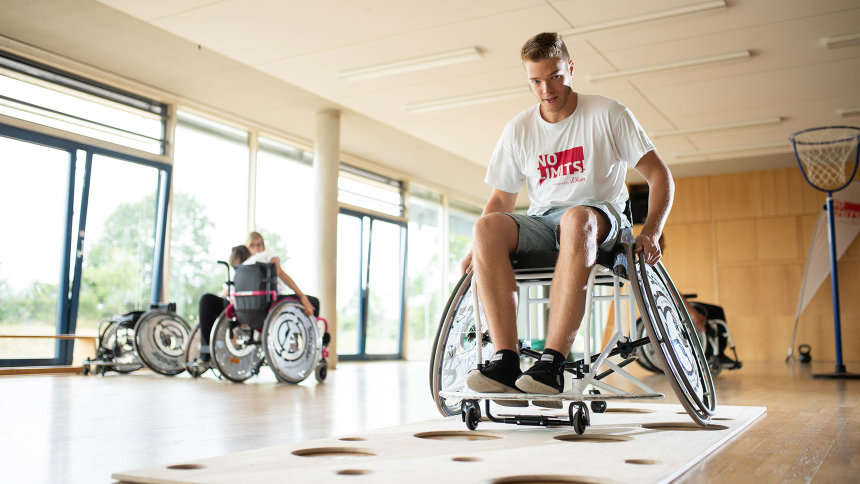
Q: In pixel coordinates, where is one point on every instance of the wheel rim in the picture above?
(671, 330)
(454, 354)
(120, 339)
(239, 360)
(292, 342)
(160, 338)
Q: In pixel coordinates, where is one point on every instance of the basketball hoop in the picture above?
(828, 158)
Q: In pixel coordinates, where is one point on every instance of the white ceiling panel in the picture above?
(276, 62)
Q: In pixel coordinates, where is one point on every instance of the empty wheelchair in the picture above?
(115, 351)
(715, 340)
(159, 339)
(260, 327)
(462, 342)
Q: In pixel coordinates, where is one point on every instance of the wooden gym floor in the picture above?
(77, 429)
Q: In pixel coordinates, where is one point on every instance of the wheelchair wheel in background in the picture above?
(192, 346)
(234, 353)
(292, 342)
(192, 352)
(454, 348)
(648, 359)
(674, 338)
(119, 339)
(159, 341)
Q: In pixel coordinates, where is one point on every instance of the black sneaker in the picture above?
(543, 377)
(497, 376)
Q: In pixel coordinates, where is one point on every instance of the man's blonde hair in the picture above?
(546, 45)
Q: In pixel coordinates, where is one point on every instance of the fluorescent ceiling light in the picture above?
(697, 61)
(849, 112)
(842, 40)
(662, 14)
(732, 149)
(411, 65)
(718, 127)
(468, 100)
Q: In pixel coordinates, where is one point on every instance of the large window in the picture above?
(461, 218)
(31, 253)
(426, 285)
(43, 95)
(285, 208)
(122, 214)
(89, 232)
(209, 207)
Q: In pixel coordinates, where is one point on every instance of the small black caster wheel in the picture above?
(579, 422)
(321, 371)
(598, 406)
(471, 414)
(85, 369)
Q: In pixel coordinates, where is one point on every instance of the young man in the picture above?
(573, 151)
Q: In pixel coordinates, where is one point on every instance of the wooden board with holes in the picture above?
(636, 442)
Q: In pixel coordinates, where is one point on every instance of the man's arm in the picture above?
(500, 201)
(661, 191)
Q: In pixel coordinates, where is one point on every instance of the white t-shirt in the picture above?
(265, 257)
(583, 157)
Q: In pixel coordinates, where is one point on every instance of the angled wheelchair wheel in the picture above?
(673, 338)
(119, 339)
(292, 341)
(192, 346)
(648, 358)
(159, 341)
(234, 353)
(454, 348)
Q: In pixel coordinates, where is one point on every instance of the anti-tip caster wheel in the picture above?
(321, 371)
(597, 406)
(85, 369)
(471, 414)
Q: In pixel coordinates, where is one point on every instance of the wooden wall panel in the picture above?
(734, 196)
(689, 258)
(741, 241)
(736, 241)
(777, 238)
(692, 200)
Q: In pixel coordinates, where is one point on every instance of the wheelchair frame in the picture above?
(244, 346)
(666, 321)
(116, 343)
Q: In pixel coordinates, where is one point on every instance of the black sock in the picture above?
(556, 359)
(508, 356)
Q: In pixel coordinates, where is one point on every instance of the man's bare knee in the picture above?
(496, 232)
(580, 225)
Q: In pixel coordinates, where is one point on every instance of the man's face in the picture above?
(550, 80)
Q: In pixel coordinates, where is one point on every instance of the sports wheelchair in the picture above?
(462, 341)
(715, 339)
(260, 327)
(116, 346)
(153, 339)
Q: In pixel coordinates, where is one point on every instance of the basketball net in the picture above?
(827, 156)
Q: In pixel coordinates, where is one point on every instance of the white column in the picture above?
(326, 168)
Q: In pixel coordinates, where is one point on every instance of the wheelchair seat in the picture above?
(614, 259)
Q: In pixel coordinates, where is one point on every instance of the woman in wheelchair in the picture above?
(257, 246)
(261, 322)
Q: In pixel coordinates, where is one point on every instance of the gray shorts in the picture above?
(538, 232)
